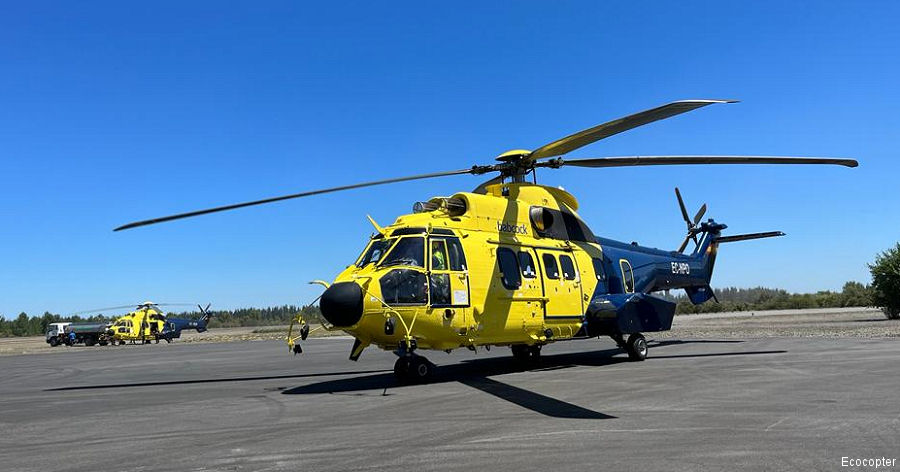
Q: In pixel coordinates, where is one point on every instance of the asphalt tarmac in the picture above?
(754, 404)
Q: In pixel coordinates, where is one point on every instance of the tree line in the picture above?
(25, 325)
(853, 294)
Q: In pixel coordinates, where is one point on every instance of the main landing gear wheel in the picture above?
(636, 347)
(524, 353)
(413, 369)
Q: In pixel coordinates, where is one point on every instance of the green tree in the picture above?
(886, 282)
(856, 294)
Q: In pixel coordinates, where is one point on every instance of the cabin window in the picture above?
(527, 265)
(377, 249)
(627, 276)
(598, 269)
(509, 268)
(409, 251)
(568, 267)
(550, 267)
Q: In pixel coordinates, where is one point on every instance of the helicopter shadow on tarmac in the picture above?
(476, 373)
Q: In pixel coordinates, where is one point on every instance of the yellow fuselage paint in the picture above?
(485, 312)
(139, 325)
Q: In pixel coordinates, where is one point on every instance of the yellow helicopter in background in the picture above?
(512, 264)
(147, 323)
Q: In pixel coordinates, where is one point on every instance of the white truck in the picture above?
(56, 333)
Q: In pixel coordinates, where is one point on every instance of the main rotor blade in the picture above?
(684, 212)
(288, 197)
(610, 128)
(688, 160)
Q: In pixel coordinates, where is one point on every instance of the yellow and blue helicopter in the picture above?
(512, 264)
(148, 323)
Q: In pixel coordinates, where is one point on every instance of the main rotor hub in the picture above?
(515, 164)
(514, 155)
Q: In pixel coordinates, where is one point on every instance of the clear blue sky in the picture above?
(117, 111)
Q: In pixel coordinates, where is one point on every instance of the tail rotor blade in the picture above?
(699, 215)
(684, 243)
(684, 212)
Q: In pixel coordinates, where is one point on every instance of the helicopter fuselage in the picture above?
(515, 265)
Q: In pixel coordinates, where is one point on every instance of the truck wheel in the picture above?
(54, 341)
(88, 341)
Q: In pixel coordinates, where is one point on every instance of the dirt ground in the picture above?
(838, 322)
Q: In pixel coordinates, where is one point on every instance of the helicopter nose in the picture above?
(342, 304)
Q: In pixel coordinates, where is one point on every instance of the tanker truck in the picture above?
(79, 333)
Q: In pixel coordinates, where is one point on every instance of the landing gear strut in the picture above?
(411, 367)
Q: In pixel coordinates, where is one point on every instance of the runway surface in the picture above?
(754, 404)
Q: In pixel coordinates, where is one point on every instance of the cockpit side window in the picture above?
(457, 257)
(438, 254)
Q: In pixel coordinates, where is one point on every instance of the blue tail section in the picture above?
(626, 313)
(624, 304)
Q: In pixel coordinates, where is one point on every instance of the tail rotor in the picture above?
(692, 225)
(205, 314)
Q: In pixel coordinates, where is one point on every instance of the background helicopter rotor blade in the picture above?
(610, 128)
(133, 306)
(473, 170)
(123, 307)
(699, 215)
(691, 160)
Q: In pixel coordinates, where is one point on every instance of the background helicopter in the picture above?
(511, 263)
(147, 323)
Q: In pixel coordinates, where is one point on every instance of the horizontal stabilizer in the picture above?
(744, 237)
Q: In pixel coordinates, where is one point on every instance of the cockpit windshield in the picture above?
(409, 251)
(376, 251)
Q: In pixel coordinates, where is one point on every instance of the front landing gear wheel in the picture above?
(524, 353)
(413, 369)
(636, 347)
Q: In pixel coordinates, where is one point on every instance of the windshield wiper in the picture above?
(401, 261)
